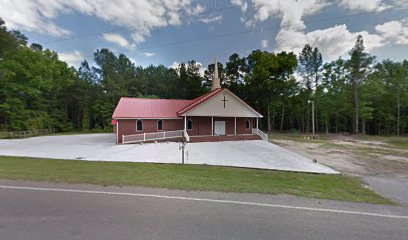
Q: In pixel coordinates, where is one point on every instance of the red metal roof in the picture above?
(160, 108)
(149, 108)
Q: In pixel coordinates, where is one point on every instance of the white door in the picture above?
(219, 127)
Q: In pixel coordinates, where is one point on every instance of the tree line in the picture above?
(356, 94)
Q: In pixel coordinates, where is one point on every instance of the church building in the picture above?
(218, 115)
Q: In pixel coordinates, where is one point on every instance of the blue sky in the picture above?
(173, 31)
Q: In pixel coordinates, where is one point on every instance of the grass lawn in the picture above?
(189, 177)
(6, 135)
(391, 141)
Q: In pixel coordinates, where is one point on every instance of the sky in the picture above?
(172, 31)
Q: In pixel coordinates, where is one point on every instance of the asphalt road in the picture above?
(49, 211)
(393, 187)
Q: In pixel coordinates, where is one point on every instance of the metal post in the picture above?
(257, 123)
(185, 123)
(182, 145)
(212, 126)
(117, 131)
(182, 152)
(313, 118)
(235, 125)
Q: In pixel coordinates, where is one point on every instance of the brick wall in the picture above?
(128, 126)
(201, 126)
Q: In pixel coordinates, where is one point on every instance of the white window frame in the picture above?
(162, 125)
(142, 125)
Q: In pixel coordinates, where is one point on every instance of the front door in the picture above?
(219, 127)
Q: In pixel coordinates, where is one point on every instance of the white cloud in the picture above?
(394, 31)
(139, 37)
(118, 39)
(401, 3)
(133, 60)
(243, 4)
(201, 70)
(148, 54)
(250, 23)
(365, 5)
(332, 42)
(174, 65)
(72, 58)
(194, 10)
(26, 15)
(264, 43)
(140, 16)
(211, 19)
(291, 12)
(174, 18)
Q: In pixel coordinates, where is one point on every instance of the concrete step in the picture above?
(194, 139)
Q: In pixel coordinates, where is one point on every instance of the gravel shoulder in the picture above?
(382, 162)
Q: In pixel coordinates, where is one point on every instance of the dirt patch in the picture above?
(353, 156)
(359, 142)
(337, 159)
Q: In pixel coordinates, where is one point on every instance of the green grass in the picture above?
(6, 135)
(391, 142)
(85, 132)
(321, 138)
(189, 177)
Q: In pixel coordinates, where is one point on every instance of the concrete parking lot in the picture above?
(101, 147)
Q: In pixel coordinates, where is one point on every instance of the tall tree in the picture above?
(190, 82)
(269, 77)
(37, 90)
(234, 69)
(310, 63)
(317, 62)
(388, 83)
(359, 67)
(306, 65)
(7, 40)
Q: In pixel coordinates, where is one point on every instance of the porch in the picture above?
(240, 137)
(219, 126)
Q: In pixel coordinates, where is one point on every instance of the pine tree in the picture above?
(359, 67)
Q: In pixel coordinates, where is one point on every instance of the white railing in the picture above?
(186, 136)
(258, 132)
(143, 137)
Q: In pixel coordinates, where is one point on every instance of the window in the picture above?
(247, 124)
(189, 124)
(160, 125)
(139, 125)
